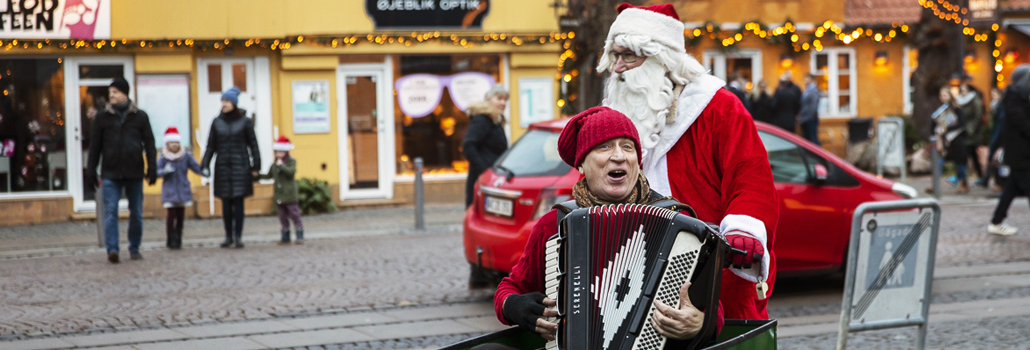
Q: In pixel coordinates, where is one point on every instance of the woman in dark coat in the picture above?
(950, 127)
(761, 103)
(232, 138)
(485, 139)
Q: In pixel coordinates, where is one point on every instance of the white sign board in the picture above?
(891, 142)
(418, 94)
(166, 99)
(890, 278)
(468, 88)
(311, 107)
(55, 19)
(536, 100)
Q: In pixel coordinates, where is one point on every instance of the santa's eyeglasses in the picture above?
(627, 56)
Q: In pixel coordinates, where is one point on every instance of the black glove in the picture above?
(152, 177)
(524, 309)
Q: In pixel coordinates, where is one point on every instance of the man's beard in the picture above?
(644, 94)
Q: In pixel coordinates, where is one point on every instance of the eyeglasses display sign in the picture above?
(410, 14)
(419, 94)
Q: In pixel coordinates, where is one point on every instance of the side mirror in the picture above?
(820, 174)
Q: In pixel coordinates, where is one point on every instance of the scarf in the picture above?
(584, 198)
(173, 156)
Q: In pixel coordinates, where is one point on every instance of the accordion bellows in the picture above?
(608, 264)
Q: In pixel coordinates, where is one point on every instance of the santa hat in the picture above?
(282, 144)
(172, 135)
(658, 22)
(591, 128)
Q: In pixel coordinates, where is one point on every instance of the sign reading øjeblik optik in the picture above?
(412, 14)
(55, 19)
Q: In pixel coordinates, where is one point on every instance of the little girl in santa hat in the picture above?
(285, 196)
(176, 194)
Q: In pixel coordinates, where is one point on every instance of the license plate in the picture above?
(498, 206)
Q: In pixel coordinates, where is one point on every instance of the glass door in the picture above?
(87, 79)
(746, 63)
(364, 119)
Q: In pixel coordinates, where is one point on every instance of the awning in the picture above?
(1022, 28)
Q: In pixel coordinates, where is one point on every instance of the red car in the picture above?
(818, 194)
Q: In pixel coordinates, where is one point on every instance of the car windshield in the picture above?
(535, 154)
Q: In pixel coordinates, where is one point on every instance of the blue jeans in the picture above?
(112, 190)
(810, 131)
(960, 170)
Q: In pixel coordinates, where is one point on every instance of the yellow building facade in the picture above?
(359, 87)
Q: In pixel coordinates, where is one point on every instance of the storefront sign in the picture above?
(536, 100)
(427, 13)
(419, 94)
(311, 107)
(983, 10)
(55, 19)
(164, 98)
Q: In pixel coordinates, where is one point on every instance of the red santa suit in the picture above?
(712, 159)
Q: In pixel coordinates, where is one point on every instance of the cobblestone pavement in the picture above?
(386, 265)
(987, 333)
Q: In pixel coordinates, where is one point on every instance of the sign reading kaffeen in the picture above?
(414, 14)
(55, 19)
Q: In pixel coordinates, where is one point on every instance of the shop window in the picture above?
(437, 136)
(239, 76)
(33, 153)
(94, 71)
(214, 78)
(834, 72)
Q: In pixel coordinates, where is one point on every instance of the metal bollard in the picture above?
(935, 162)
(420, 198)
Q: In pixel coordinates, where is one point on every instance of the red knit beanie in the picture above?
(591, 128)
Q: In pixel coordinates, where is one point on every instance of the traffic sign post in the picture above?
(890, 267)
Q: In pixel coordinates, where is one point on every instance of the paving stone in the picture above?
(219, 343)
(337, 321)
(415, 329)
(235, 328)
(124, 337)
(36, 344)
(448, 311)
(309, 338)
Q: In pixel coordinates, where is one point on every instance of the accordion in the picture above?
(607, 265)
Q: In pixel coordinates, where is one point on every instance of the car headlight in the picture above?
(905, 191)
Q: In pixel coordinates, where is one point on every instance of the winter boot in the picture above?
(238, 242)
(177, 243)
(170, 242)
(963, 187)
(227, 242)
(300, 236)
(285, 237)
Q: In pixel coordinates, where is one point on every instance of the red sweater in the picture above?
(528, 274)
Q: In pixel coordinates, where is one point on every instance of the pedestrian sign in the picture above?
(890, 267)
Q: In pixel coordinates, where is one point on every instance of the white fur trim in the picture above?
(735, 224)
(282, 146)
(173, 138)
(691, 102)
(661, 28)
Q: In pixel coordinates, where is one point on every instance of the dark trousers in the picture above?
(290, 212)
(173, 224)
(810, 131)
(232, 216)
(971, 149)
(1018, 184)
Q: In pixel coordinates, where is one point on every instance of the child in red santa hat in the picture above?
(173, 166)
(286, 197)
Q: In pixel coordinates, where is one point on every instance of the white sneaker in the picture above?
(1001, 229)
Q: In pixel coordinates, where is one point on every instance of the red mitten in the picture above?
(751, 247)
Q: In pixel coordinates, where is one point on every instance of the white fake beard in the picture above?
(644, 95)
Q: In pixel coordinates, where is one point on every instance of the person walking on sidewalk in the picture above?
(1015, 136)
(485, 139)
(123, 139)
(997, 120)
(232, 137)
(950, 127)
(286, 198)
(971, 103)
(176, 192)
(808, 116)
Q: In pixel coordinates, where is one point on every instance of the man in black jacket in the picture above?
(121, 136)
(1015, 138)
(786, 103)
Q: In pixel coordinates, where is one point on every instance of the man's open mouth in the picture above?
(617, 174)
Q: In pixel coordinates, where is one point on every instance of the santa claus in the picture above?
(699, 144)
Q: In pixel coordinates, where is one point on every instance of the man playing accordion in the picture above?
(603, 145)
